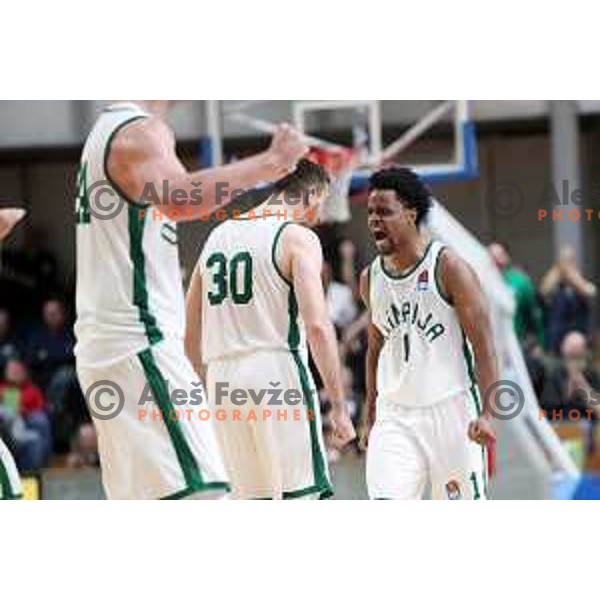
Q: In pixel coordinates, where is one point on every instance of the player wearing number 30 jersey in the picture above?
(429, 337)
(254, 301)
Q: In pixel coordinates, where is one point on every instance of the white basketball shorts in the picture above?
(272, 441)
(412, 446)
(155, 446)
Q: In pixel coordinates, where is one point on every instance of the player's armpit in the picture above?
(140, 158)
(193, 323)
(464, 291)
(375, 341)
(363, 285)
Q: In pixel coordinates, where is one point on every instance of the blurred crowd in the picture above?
(555, 324)
(42, 411)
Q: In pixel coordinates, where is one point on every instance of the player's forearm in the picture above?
(371, 394)
(486, 364)
(210, 189)
(323, 346)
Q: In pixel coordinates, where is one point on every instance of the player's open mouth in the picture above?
(379, 236)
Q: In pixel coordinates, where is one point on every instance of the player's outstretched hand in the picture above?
(342, 429)
(481, 431)
(9, 217)
(287, 148)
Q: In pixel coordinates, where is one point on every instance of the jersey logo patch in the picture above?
(453, 490)
(423, 281)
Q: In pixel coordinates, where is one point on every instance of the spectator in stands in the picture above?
(340, 299)
(348, 270)
(10, 345)
(51, 356)
(23, 411)
(568, 297)
(573, 390)
(51, 345)
(84, 448)
(528, 317)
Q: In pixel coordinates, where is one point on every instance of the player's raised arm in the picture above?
(374, 344)
(302, 261)
(193, 323)
(463, 289)
(142, 157)
(9, 217)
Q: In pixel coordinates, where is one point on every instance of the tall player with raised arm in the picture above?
(428, 317)
(130, 302)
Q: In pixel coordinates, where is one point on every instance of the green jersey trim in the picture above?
(307, 491)
(185, 457)
(136, 225)
(322, 484)
(109, 142)
(471, 372)
(274, 251)
(7, 492)
(206, 487)
(411, 270)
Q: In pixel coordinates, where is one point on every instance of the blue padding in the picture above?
(588, 488)
(205, 148)
(468, 170)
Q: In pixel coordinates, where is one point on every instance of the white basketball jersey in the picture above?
(425, 357)
(247, 304)
(129, 287)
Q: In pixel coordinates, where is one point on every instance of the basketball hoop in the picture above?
(339, 164)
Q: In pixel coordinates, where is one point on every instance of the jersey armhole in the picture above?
(368, 307)
(109, 142)
(274, 253)
(438, 277)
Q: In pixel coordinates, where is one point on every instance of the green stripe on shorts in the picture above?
(6, 490)
(185, 457)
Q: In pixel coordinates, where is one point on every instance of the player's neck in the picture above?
(406, 255)
(294, 211)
